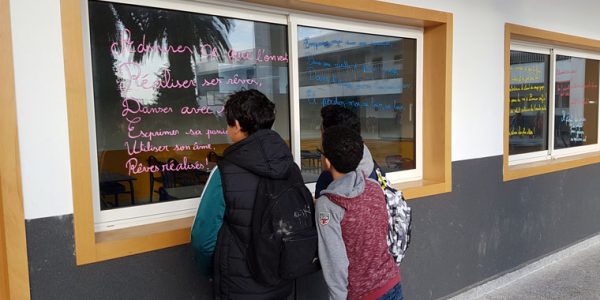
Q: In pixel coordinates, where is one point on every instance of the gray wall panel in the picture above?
(163, 274)
(483, 228)
(486, 227)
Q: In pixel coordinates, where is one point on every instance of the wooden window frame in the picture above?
(514, 32)
(14, 268)
(437, 89)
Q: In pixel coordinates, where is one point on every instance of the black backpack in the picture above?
(284, 238)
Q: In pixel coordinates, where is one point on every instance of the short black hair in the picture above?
(333, 115)
(252, 109)
(343, 147)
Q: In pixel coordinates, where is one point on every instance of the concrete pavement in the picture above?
(573, 273)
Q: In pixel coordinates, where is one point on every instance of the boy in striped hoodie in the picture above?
(352, 225)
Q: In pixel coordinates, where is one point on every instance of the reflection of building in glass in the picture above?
(576, 107)
(528, 127)
(258, 59)
(575, 102)
(158, 94)
(373, 75)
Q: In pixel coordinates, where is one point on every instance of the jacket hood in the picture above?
(263, 153)
(366, 164)
(348, 186)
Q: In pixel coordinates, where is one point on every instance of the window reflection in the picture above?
(528, 115)
(373, 75)
(576, 107)
(160, 79)
(575, 102)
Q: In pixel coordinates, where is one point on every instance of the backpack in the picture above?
(399, 218)
(284, 238)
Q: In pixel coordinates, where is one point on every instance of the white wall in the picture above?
(41, 108)
(478, 59)
(477, 95)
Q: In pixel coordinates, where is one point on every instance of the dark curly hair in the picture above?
(343, 147)
(252, 109)
(333, 115)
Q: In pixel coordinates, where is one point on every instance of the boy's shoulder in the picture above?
(370, 189)
(323, 201)
(373, 188)
(324, 205)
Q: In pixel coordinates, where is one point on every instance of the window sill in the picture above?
(548, 166)
(422, 188)
(139, 239)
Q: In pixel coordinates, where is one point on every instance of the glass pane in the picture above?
(373, 75)
(528, 115)
(576, 113)
(160, 79)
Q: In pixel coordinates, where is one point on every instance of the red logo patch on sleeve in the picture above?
(324, 218)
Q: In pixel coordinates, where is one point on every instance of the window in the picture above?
(160, 78)
(159, 90)
(529, 76)
(576, 105)
(362, 72)
(551, 101)
(271, 28)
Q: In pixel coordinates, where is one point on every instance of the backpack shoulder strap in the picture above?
(378, 175)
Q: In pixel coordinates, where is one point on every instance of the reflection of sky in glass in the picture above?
(241, 36)
(315, 41)
(151, 67)
(309, 32)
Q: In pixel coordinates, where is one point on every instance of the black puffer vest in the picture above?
(263, 153)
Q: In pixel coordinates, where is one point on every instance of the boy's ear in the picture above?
(238, 129)
(326, 163)
(237, 126)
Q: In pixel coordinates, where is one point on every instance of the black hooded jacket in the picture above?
(263, 153)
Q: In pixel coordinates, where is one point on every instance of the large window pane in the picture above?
(373, 75)
(160, 78)
(576, 107)
(528, 115)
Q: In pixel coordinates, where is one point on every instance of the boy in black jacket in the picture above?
(257, 151)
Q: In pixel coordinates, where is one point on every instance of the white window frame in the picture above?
(157, 212)
(335, 23)
(553, 153)
(542, 154)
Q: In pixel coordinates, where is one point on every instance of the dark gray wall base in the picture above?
(166, 274)
(163, 274)
(483, 228)
(486, 227)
